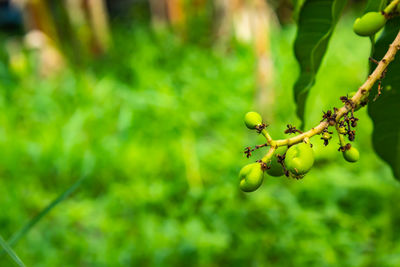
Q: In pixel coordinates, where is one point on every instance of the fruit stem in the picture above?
(341, 137)
(269, 154)
(267, 136)
(391, 6)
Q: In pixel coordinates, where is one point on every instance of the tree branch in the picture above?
(356, 99)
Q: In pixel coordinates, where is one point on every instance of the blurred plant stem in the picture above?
(191, 161)
(28, 226)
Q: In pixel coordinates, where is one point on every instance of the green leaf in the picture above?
(384, 111)
(28, 226)
(64, 195)
(11, 252)
(317, 22)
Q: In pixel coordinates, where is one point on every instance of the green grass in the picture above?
(157, 129)
(10, 252)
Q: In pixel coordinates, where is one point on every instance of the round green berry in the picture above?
(369, 24)
(299, 159)
(351, 155)
(252, 119)
(251, 177)
(274, 168)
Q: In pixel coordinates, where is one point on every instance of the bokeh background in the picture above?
(142, 103)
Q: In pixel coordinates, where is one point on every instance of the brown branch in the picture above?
(356, 99)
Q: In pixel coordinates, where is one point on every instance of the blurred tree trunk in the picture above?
(159, 13)
(89, 22)
(37, 17)
(41, 35)
(84, 27)
(79, 26)
(250, 21)
(98, 20)
(168, 12)
(224, 19)
(261, 24)
(175, 12)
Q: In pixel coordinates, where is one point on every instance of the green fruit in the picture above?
(299, 159)
(252, 119)
(351, 155)
(369, 24)
(275, 168)
(251, 177)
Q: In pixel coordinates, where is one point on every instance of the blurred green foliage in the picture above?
(157, 128)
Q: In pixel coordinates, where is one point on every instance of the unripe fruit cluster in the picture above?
(294, 157)
(293, 161)
(298, 161)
